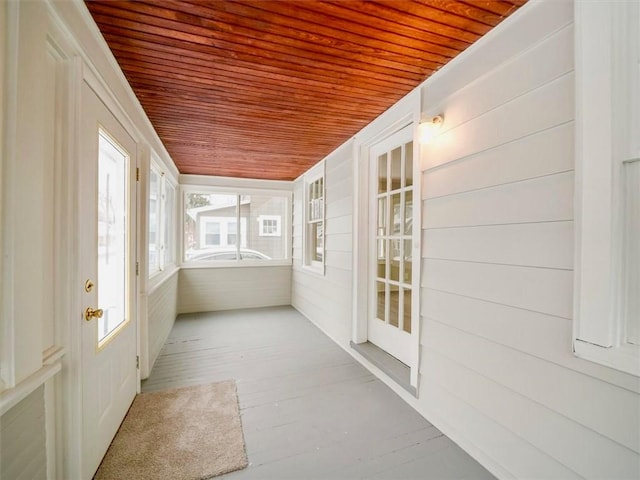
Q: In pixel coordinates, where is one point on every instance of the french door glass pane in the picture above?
(394, 254)
(406, 277)
(396, 212)
(408, 212)
(381, 301)
(382, 173)
(382, 216)
(408, 165)
(406, 320)
(112, 235)
(382, 257)
(394, 231)
(394, 305)
(396, 168)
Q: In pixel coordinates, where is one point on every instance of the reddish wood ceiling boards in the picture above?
(267, 88)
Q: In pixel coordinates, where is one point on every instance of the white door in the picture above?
(107, 268)
(392, 286)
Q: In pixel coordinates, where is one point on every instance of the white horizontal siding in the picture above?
(544, 290)
(588, 454)
(516, 119)
(478, 432)
(23, 439)
(327, 299)
(540, 154)
(545, 383)
(544, 199)
(544, 336)
(162, 310)
(547, 245)
(497, 282)
(213, 289)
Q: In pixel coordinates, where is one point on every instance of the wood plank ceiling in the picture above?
(267, 88)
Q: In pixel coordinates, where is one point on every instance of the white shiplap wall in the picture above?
(162, 311)
(213, 289)
(497, 281)
(23, 438)
(326, 299)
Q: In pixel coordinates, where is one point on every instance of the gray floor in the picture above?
(309, 410)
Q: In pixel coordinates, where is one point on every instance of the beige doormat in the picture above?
(180, 434)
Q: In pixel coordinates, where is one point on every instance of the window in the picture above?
(211, 233)
(169, 216)
(235, 226)
(154, 215)
(314, 218)
(607, 271)
(269, 225)
(161, 231)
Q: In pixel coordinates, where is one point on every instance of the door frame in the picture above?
(388, 335)
(404, 113)
(69, 411)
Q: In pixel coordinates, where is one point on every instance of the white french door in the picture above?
(393, 241)
(107, 269)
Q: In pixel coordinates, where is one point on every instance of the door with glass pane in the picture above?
(392, 303)
(107, 267)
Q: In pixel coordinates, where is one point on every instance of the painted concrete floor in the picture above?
(309, 410)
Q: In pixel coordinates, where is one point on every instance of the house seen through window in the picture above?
(234, 227)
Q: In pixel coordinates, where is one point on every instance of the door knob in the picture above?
(90, 313)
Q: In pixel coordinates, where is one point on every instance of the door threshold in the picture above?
(391, 366)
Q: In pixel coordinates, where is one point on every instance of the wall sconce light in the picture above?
(429, 128)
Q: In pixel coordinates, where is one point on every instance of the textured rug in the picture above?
(180, 434)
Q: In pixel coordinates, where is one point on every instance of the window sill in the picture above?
(161, 277)
(318, 270)
(237, 264)
(625, 358)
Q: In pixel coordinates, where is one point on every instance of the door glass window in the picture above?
(394, 237)
(112, 235)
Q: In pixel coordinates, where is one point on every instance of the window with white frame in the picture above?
(161, 225)
(607, 271)
(153, 236)
(169, 224)
(270, 225)
(314, 241)
(230, 226)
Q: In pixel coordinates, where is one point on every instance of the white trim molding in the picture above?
(315, 177)
(401, 115)
(607, 121)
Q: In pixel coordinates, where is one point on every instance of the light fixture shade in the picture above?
(429, 128)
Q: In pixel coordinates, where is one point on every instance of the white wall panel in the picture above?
(162, 311)
(510, 40)
(511, 455)
(544, 336)
(327, 299)
(546, 244)
(582, 450)
(545, 383)
(497, 283)
(22, 437)
(537, 65)
(542, 290)
(541, 199)
(213, 289)
(505, 123)
(537, 155)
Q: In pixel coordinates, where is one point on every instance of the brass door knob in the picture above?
(90, 313)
